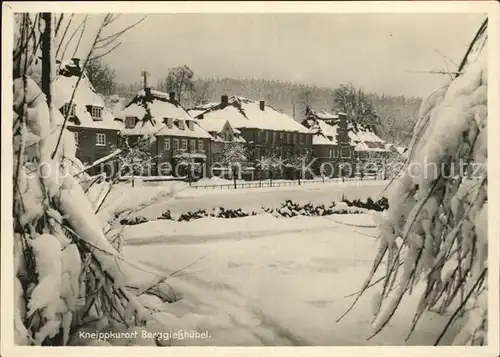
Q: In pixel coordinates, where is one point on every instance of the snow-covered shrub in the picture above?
(166, 215)
(133, 221)
(381, 205)
(435, 232)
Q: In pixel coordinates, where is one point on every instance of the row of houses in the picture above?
(199, 134)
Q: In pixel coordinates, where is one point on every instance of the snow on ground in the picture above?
(278, 288)
(159, 231)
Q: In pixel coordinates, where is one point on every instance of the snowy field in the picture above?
(272, 281)
(180, 198)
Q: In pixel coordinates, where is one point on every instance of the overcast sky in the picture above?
(377, 52)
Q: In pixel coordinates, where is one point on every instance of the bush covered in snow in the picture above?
(380, 205)
(435, 232)
(133, 221)
(286, 209)
(68, 275)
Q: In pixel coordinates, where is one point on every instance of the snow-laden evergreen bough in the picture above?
(68, 276)
(435, 232)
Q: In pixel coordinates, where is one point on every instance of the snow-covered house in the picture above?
(367, 145)
(221, 132)
(330, 143)
(330, 138)
(176, 136)
(96, 131)
(261, 126)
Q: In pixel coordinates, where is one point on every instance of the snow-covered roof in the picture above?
(85, 95)
(323, 115)
(116, 104)
(328, 130)
(196, 112)
(319, 139)
(325, 132)
(154, 111)
(364, 139)
(362, 146)
(246, 113)
(212, 125)
(216, 126)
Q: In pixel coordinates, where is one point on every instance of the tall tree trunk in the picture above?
(47, 60)
(234, 177)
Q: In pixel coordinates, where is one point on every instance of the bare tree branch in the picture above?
(70, 21)
(73, 35)
(79, 39)
(121, 32)
(107, 52)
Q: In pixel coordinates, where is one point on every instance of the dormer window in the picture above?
(129, 122)
(169, 122)
(68, 111)
(96, 112)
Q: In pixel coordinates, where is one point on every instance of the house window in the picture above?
(345, 153)
(76, 136)
(192, 145)
(96, 112)
(100, 139)
(275, 137)
(176, 144)
(200, 145)
(166, 144)
(268, 136)
(289, 138)
(184, 144)
(331, 153)
(68, 111)
(301, 138)
(295, 138)
(282, 136)
(129, 122)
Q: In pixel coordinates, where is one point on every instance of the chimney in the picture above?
(201, 116)
(171, 96)
(262, 105)
(342, 120)
(147, 91)
(224, 100)
(76, 62)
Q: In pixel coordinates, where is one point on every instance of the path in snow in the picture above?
(283, 289)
